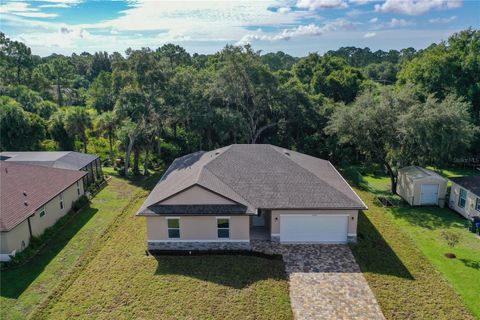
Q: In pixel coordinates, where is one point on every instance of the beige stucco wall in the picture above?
(53, 211)
(12, 240)
(469, 211)
(198, 228)
(410, 190)
(352, 223)
(197, 195)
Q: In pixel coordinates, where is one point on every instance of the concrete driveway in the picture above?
(325, 282)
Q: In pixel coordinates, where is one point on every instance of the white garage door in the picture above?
(313, 228)
(429, 194)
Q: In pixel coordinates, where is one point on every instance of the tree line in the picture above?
(350, 105)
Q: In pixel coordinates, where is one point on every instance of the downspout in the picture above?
(30, 226)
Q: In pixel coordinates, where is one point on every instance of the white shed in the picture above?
(421, 187)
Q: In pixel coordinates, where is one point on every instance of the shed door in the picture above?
(429, 194)
(313, 228)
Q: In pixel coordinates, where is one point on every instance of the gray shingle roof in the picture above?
(57, 159)
(471, 183)
(259, 176)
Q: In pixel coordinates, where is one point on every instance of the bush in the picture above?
(80, 203)
(451, 238)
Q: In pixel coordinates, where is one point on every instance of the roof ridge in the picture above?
(317, 177)
(226, 185)
(209, 160)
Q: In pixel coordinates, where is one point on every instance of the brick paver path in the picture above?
(325, 282)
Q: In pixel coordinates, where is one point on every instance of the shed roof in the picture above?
(415, 173)
(26, 188)
(471, 183)
(258, 176)
(57, 159)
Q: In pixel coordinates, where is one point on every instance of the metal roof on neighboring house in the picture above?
(57, 159)
(471, 183)
(258, 176)
(26, 188)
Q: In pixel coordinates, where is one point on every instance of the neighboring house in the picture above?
(223, 198)
(33, 198)
(465, 196)
(421, 187)
(59, 159)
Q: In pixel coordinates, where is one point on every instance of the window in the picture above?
(223, 227)
(173, 228)
(61, 201)
(42, 212)
(477, 205)
(78, 187)
(462, 200)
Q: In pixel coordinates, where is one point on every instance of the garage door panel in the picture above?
(314, 228)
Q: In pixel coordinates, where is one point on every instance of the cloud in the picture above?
(321, 4)
(300, 31)
(373, 20)
(416, 7)
(23, 9)
(400, 23)
(284, 10)
(369, 35)
(443, 20)
(361, 2)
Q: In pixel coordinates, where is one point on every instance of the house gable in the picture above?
(196, 195)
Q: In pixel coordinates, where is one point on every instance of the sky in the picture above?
(296, 27)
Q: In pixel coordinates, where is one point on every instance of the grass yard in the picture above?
(22, 289)
(421, 229)
(121, 282)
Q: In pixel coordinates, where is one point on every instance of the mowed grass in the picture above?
(121, 282)
(22, 289)
(422, 227)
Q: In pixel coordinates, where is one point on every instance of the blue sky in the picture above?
(293, 26)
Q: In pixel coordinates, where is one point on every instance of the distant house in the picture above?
(465, 196)
(421, 187)
(223, 199)
(59, 159)
(33, 198)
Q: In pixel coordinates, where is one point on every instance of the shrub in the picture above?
(451, 238)
(80, 203)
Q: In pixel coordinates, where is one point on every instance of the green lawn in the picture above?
(22, 289)
(121, 282)
(423, 227)
(97, 269)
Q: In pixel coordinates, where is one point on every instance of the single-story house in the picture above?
(222, 199)
(421, 187)
(33, 198)
(465, 196)
(59, 159)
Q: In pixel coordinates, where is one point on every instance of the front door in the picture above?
(259, 219)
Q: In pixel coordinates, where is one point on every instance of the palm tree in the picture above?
(77, 122)
(107, 122)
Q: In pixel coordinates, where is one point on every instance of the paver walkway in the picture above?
(325, 282)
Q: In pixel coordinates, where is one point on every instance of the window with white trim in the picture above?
(173, 226)
(477, 205)
(223, 227)
(42, 212)
(462, 199)
(78, 188)
(61, 201)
